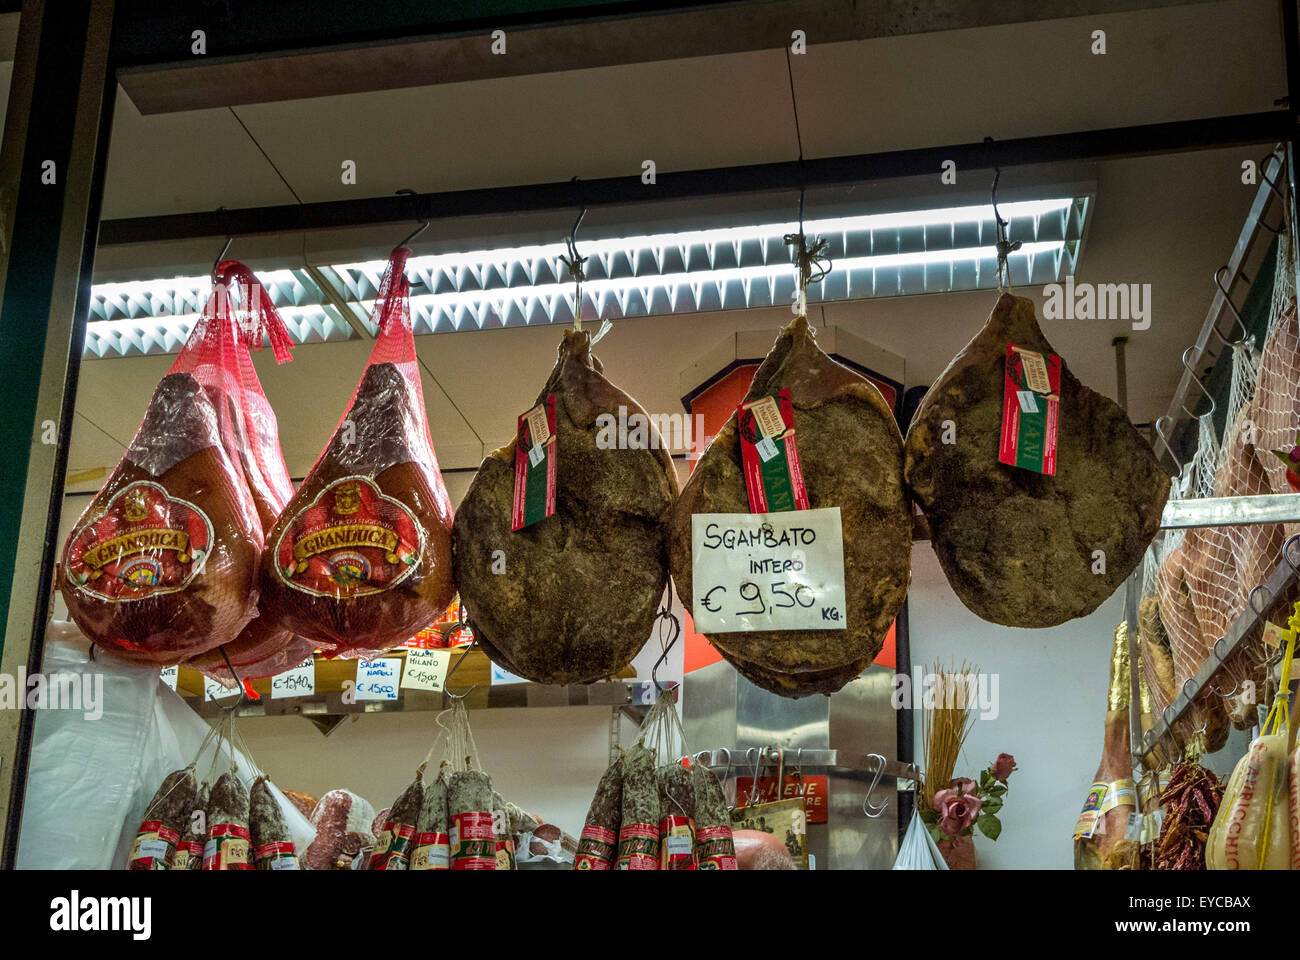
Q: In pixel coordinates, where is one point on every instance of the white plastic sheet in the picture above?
(918, 850)
(90, 777)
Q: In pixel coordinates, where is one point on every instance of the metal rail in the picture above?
(1113, 143)
(1177, 413)
(1282, 577)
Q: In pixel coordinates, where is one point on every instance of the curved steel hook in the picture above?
(1250, 598)
(1286, 552)
(666, 615)
(1165, 440)
(446, 679)
(873, 811)
(1236, 314)
(221, 256)
(424, 224)
(1197, 380)
(1272, 185)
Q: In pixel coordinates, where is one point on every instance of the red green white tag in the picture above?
(773, 474)
(534, 465)
(1030, 410)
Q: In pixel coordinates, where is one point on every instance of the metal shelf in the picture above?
(832, 762)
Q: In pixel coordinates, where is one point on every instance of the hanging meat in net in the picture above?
(162, 564)
(360, 559)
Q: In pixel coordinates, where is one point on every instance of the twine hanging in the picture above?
(1005, 247)
(811, 262)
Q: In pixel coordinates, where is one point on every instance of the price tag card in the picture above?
(378, 679)
(500, 675)
(215, 691)
(168, 676)
(768, 571)
(426, 669)
(299, 681)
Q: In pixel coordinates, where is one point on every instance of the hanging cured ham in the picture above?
(162, 564)
(360, 559)
(1020, 547)
(263, 648)
(851, 456)
(580, 587)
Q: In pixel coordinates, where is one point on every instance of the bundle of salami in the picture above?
(653, 815)
(454, 820)
(219, 824)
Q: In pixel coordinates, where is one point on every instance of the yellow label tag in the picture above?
(538, 427)
(767, 416)
(1274, 635)
(1035, 370)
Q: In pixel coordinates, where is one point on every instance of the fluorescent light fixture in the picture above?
(883, 254)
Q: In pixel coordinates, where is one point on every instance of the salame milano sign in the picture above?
(768, 571)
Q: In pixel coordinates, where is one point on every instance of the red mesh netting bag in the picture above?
(263, 648)
(360, 559)
(163, 563)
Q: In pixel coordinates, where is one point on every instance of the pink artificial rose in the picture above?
(965, 786)
(957, 811)
(1004, 766)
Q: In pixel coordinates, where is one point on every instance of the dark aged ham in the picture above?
(581, 587)
(360, 559)
(1021, 548)
(851, 453)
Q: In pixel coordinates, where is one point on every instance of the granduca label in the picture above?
(143, 543)
(352, 540)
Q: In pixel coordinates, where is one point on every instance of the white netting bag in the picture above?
(1277, 399)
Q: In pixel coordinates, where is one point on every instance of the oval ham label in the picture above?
(350, 541)
(145, 543)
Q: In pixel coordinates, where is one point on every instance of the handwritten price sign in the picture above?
(425, 669)
(378, 679)
(768, 571)
(299, 681)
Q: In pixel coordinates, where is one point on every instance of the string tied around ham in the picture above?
(574, 264)
(1005, 246)
(811, 262)
(257, 319)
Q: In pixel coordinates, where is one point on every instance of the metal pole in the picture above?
(62, 96)
(1144, 140)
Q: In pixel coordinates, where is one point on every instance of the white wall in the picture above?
(1052, 700)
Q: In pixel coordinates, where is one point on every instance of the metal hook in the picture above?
(1165, 440)
(1197, 381)
(1250, 598)
(1272, 185)
(221, 256)
(1286, 552)
(1263, 169)
(873, 811)
(666, 615)
(1236, 314)
(424, 224)
(446, 679)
